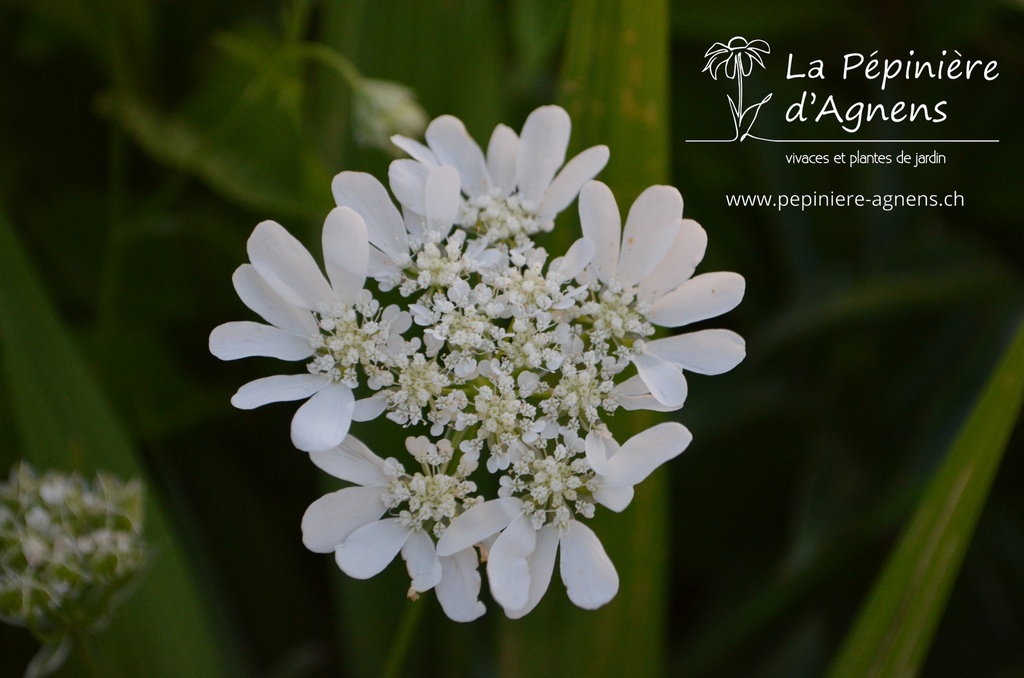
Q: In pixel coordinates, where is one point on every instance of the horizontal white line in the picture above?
(851, 141)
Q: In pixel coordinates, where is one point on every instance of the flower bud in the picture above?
(382, 108)
(69, 549)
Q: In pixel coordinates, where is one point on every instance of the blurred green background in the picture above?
(140, 143)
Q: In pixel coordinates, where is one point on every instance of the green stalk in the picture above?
(403, 640)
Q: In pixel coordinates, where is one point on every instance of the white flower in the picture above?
(387, 232)
(522, 558)
(515, 362)
(417, 238)
(336, 324)
(349, 522)
(647, 277)
(515, 188)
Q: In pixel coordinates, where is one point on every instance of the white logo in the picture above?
(736, 60)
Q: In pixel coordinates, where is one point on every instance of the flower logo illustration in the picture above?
(736, 59)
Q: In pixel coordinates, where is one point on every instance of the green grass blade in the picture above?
(65, 422)
(615, 87)
(896, 625)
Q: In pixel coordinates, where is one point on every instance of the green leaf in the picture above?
(538, 27)
(896, 625)
(615, 88)
(65, 422)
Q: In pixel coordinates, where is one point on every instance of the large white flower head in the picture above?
(499, 359)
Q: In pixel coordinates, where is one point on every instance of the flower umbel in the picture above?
(499, 360)
(335, 325)
(69, 550)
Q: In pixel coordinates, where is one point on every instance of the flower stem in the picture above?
(330, 58)
(403, 639)
(87, 655)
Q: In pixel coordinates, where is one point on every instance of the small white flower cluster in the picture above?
(68, 548)
(500, 360)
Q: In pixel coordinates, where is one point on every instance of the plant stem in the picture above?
(403, 639)
(330, 58)
(88, 657)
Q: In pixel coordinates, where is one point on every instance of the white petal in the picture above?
(501, 158)
(452, 145)
(259, 296)
(633, 394)
(679, 264)
(599, 449)
(507, 568)
(614, 498)
(414, 221)
(634, 386)
(277, 389)
(542, 565)
(368, 409)
(651, 227)
(541, 151)
(368, 550)
(244, 339)
(459, 588)
(567, 184)
(644, 452)
(706, 296)
(599, 217)
(346, 252)
(421, 561)
(333, 517)
(441, 199)
(588, 574)
(408, 179)
(703, 352)
(645, 402)
(415, 150)
(381, 266)
(288, 267)
(352, 461)
(400, 320)
(368, 197)
(478, 523)
(489, 259)
(666, 381)
(574, 261)
(323, 421)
